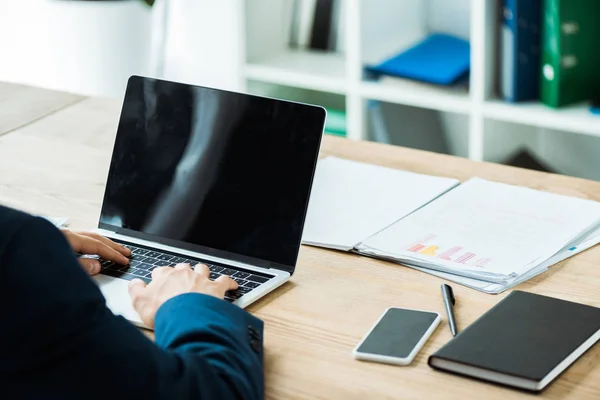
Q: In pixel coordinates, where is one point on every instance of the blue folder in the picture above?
(440, 59)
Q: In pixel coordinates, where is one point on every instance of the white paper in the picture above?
(351, 201)
(590, 240)
(59, 222)
(486, 230)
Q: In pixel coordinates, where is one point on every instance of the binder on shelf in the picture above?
(521, 50)
(301, 23)
(322, 25)
(317, 25)
(570, 57)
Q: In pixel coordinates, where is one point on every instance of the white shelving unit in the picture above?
(576, 119)
(375, 29)
(301, 69)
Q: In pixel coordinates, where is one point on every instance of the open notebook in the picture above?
(486, 235)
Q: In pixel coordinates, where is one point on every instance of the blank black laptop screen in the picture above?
(216, 169)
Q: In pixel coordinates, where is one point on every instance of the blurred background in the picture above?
(506, 81)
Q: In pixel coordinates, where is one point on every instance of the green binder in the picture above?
(570, 51)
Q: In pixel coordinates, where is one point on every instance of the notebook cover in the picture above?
(525, 335)
(440, 59)
(570, 56)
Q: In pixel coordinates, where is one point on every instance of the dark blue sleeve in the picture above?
(58, 339)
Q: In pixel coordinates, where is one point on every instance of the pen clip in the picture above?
(452, 299)
(450, 293)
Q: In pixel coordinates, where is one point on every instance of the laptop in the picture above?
(200, 175)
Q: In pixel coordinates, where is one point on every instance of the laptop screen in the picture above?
(220, 172)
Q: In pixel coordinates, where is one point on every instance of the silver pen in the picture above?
(449, 301)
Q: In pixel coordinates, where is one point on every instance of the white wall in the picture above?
(93, 47)
(205, 44)
(83, 47)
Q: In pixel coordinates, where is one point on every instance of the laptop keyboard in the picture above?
(144, 260)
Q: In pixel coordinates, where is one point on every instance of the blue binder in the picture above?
(521, 40)
(440, 59)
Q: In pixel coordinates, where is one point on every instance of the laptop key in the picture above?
(179, 260)
(228, 271)
(165, 257)
(256, 278)
(139, 251)
(214, 275)
(144, 266)
(215, 268)
(123, 268)
(161, 263)
(240, 274)
(138, 272)
(244, 289)
(239, 281)
(233, 294)
(251, 285)
(134, 263)
(153, 254)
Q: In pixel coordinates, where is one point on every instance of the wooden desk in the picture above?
(56, 164)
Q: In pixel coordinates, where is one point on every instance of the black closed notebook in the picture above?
(525, 341)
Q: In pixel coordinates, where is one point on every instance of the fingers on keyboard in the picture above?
(143, 261)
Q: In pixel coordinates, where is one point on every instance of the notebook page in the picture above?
(487, 228)
(351, 201)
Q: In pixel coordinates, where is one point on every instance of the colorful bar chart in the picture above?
(450, 252)
(464, 258)
(416, 248)
(420, 244)
(456, 254)
(430, 251)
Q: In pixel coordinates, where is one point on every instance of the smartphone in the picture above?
(398, 336)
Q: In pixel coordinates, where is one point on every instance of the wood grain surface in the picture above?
(20, 105)
(57, 165)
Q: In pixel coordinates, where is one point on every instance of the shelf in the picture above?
(303, 69)
(417, 94)
(575, 118)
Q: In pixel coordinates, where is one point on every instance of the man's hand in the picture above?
(94, 244)
(169, 282)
